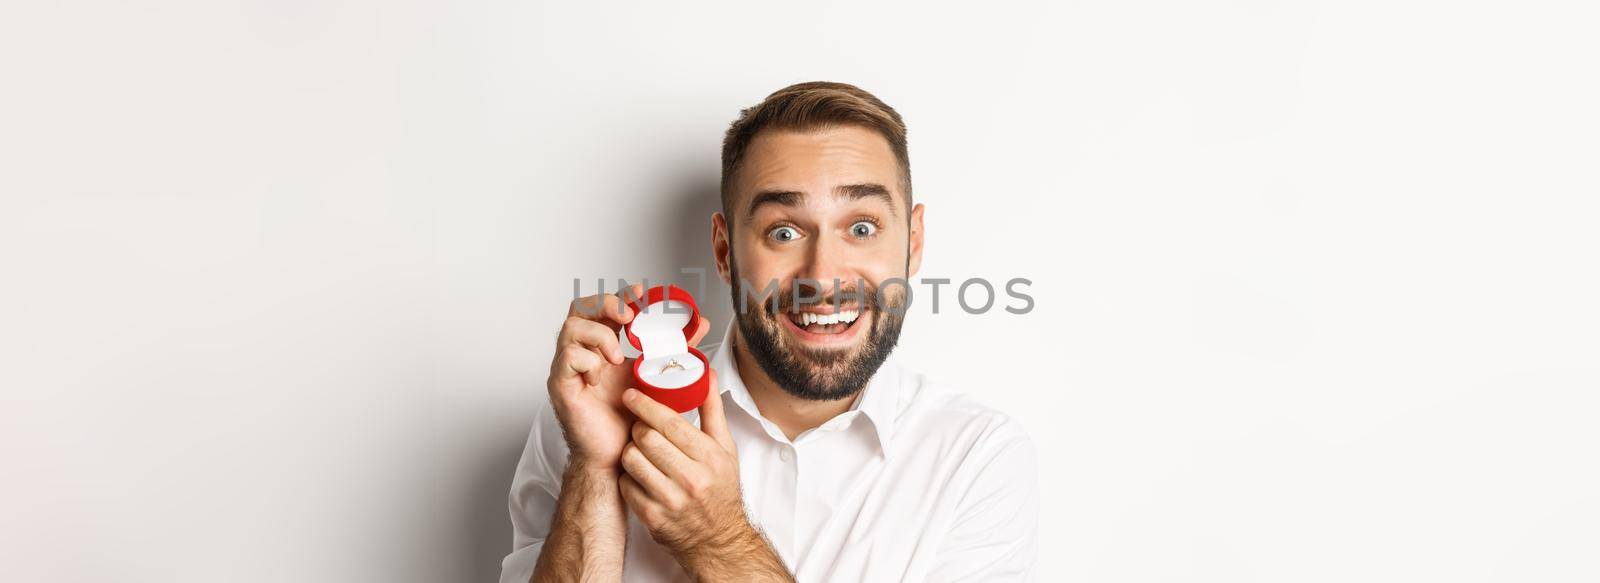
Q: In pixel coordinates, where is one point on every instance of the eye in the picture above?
(863, 229)
(784, 234)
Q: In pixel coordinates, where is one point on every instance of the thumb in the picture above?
(712, 419)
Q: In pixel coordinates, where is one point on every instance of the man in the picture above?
(816, 457)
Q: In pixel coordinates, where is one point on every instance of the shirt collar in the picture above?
(878, 400)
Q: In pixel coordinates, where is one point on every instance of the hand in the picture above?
(683, 482)
(588, 375)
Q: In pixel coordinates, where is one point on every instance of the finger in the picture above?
(704, 327)
(661, 453)
(712, 419)
(646, 474)
(632, 296)
(663, 419)
(591, 334)
(574, 360)
(638, 499)
(608, 309)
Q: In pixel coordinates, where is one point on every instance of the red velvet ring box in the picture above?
(668, 369)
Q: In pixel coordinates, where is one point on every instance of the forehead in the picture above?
(814, 161)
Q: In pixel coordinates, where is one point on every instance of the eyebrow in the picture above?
(792, 198)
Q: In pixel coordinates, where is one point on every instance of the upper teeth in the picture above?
(846, 316)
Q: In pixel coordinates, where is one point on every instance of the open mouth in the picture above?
(819, 327)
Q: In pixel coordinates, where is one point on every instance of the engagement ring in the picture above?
(674, 364)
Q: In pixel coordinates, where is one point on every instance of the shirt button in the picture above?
(784, 454)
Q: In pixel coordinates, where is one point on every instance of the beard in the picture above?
(825, 374)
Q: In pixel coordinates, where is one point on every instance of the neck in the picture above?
(792, 414)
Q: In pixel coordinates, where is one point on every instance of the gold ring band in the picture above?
(673, 363)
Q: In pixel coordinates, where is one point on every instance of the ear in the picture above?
(720, 246)
(915, 243)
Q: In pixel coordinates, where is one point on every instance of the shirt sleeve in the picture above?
(534, 491)
(994, 536)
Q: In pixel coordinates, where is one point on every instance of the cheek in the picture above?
(882, 262)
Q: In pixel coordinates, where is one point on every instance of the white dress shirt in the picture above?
(914, 483)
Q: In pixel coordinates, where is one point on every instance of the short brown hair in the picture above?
(814, 105)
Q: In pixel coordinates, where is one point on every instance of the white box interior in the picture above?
(659, 328)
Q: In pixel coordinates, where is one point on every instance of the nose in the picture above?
(826, 261)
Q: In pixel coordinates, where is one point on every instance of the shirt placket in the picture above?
(781, 485)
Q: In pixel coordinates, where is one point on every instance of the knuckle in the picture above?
(674, 504)
(697, 486)
(570, 354)
(563, 356)
(587, 305)
(568, 326)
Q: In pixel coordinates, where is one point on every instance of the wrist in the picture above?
(579, 466)
(721, 549)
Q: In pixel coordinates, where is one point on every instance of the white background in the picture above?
(1315, 282)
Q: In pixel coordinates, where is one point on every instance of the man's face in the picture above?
(814, 207)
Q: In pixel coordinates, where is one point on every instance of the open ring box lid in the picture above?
(668, 369)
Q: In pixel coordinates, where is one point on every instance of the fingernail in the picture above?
(629, 394)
